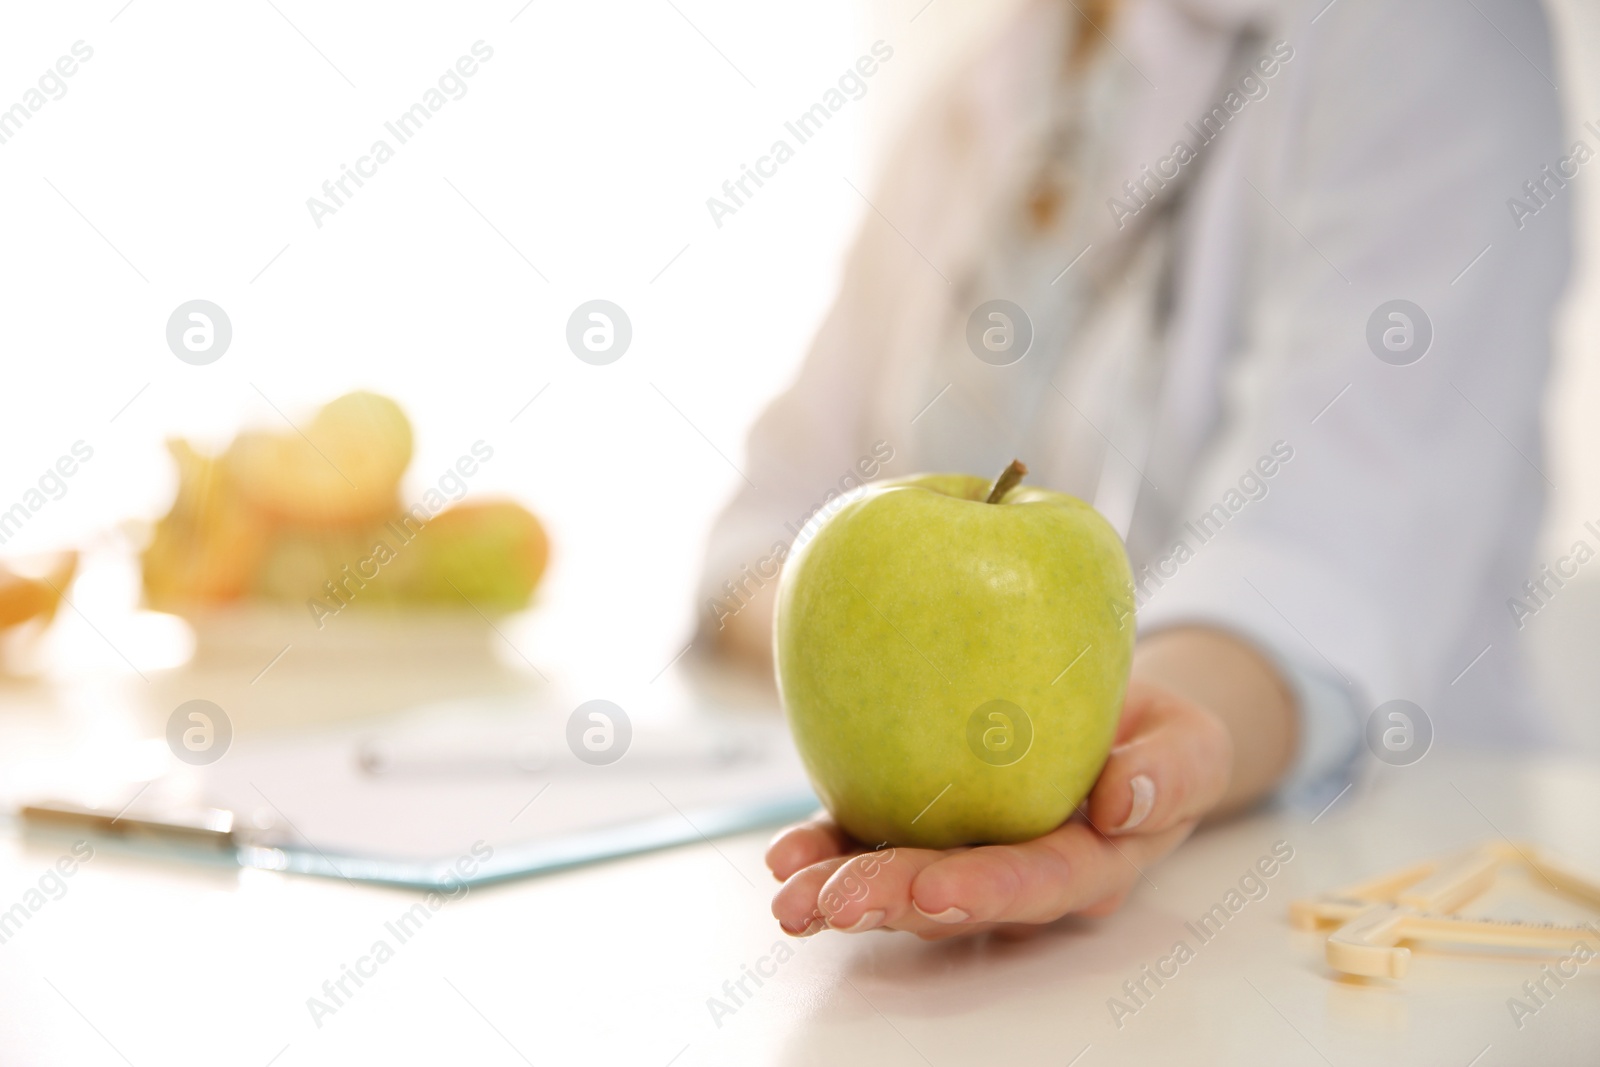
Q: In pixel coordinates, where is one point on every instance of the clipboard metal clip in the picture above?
(190, 826)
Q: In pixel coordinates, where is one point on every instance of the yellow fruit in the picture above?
(208, 547)
(344, 471)
(24, 598)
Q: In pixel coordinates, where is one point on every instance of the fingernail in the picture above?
(870, 921)
(1144, 802)
(948, 915)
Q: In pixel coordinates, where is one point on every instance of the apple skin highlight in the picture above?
(915, 615)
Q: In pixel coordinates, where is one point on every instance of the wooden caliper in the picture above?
(1419, 902)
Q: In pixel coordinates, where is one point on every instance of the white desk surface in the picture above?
(147, 963)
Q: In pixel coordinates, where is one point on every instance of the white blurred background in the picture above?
(577, 166)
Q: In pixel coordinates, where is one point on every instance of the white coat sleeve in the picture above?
(1415, 490)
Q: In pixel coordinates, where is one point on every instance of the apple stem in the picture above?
(1009, 479)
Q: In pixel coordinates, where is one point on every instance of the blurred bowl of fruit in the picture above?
(304, 538)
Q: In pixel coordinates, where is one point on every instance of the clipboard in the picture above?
(176, 836)
(445, 796)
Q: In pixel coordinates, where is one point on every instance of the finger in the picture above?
(938, 932)
(799, 846)
(1068, 869)
(1171, 769)
(795, 905)
(873, 890)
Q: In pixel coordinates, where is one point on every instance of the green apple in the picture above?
(952, 658)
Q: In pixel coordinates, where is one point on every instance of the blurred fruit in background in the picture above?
(210, 545)
(318, 519)
(31, 590)
(492, 553)
(345, 471)
(26, 598)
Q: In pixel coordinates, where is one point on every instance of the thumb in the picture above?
(1173, 768)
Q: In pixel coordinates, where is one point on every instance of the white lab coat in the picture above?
(1379, 165)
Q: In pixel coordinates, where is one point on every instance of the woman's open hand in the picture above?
(1170, 764)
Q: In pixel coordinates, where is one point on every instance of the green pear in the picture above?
(952, 658)
(493, 553)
